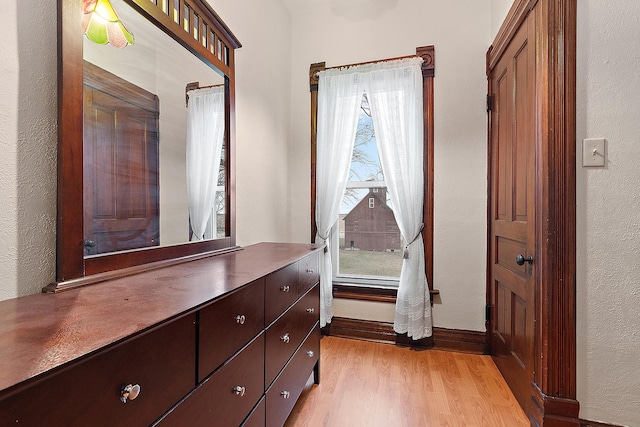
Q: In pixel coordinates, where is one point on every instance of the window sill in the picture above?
(369, 293)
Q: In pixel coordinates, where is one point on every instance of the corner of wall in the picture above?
(28, 142)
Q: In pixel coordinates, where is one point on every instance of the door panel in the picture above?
(512, 163)
(121, 154)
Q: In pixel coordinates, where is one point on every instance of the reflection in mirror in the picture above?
(205, 162)
(152, 170)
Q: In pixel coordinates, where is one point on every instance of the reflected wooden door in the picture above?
(120, 166)
(512, 210)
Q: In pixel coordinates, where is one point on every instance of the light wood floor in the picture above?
(381, 385)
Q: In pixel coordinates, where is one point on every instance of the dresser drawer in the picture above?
(161, 362)
(282, 339)
(285, 391)
(308, 272)
(226, 397)
(308, 309)
(281, 291)
(256, 418)
(228, 324)
(286, 334)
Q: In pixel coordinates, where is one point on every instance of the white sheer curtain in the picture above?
(205, 138)
(395, 97)
(394, 90)
(339, 97)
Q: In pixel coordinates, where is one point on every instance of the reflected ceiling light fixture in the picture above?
(102, 25)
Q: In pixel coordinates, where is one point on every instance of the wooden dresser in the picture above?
(227, 340)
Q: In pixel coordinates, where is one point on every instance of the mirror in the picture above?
(135, 142)
(122, 161)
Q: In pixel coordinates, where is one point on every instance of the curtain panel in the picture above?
(339, 97)
(394, 90)
(205, 139)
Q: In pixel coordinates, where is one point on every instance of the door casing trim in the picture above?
(553, 390)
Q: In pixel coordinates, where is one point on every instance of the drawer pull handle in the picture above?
(239, 390)
(284, 288)
(285, 394)
(129, 392)
(310, 270)
(285, 338)
(240, 319)
(310, 353)
(311, 310)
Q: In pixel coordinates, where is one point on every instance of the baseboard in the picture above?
(443, 339)
(461, 340)
(552, 411)
(361, 329)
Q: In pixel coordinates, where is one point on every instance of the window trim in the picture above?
(427, 53)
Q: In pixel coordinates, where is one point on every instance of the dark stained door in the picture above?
(120, 166)
(512, 209)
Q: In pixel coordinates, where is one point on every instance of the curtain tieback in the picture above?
(326, 249)
(406, 248)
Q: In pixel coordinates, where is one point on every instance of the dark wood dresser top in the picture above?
(44, 332)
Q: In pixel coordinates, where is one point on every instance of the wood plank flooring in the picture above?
(382, 385)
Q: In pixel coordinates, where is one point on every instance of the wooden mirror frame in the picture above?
(73, 269)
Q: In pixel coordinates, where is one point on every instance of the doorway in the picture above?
(531, 209)
(121, 164)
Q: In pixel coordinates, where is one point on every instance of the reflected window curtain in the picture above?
(394, 91)
(339, 98)
(205, 138)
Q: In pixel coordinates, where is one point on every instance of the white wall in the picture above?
(345, 32)
(608, 212)
(263, 105)
(27, 147)
(499, 10)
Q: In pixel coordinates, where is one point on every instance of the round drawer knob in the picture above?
(310, 353)
(129, 392)
(311, 310)
(285, 288)
(239, 390)
(240, 319)
(285, 394)
(285, 338)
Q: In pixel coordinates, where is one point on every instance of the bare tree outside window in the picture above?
(367, 225)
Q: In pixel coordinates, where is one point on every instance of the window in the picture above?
(377, 190)
(369, 250)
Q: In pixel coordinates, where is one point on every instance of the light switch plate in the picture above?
(593, 152)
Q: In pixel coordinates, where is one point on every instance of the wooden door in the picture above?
(120, 149)
(512, 212)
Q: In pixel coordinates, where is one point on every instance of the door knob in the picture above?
(520, 259)
(129, 392)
